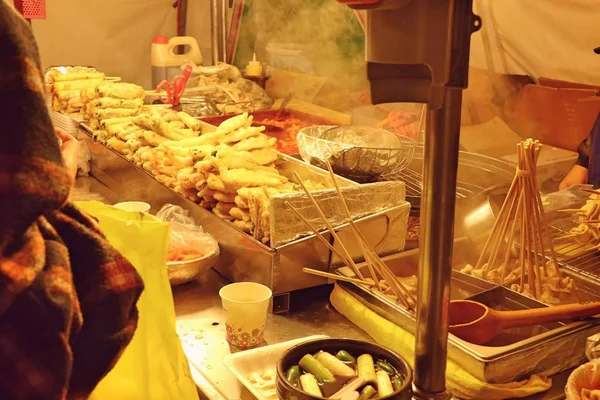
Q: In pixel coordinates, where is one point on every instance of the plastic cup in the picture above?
(134, 206)
(246, 305)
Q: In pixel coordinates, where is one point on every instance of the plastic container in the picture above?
(166, 64)
(256, 368)
(133, 206)
(290, 56)
(246, 305)
(286, 391)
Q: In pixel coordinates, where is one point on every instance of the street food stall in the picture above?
(370, 233)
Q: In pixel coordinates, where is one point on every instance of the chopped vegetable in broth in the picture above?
(323, 374)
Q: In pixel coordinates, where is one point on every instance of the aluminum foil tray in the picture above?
(518, 353)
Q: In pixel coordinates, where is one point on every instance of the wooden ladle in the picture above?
(477, 323)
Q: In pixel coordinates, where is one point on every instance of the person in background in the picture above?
(67, 298)
(587, 167)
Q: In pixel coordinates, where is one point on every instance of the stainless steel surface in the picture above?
(200, 324)
(242, 257)
(476, 173)
(546, 350)
(437, 234)
(214, 31)
(198, 309)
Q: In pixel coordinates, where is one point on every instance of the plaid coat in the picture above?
(67, 298)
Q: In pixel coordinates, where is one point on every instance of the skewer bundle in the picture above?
(375, 266)
(521, 218)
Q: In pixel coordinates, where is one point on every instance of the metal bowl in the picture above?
(359, 153)
(180, 272)
(286, 391)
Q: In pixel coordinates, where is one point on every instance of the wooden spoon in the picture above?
(476, 323)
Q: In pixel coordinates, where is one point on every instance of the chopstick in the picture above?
(371, 257)
(329, 227)
(316, 231)
(592, 191)
(336, 277)
(399, 290)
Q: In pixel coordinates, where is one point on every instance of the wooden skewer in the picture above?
(367, 249)
(592, 191)
(363, 244)
(592, 221)
(572, 211)
(316, 232)
(509, 243)
(336, 277)
(495, 227)
(353, 226)
(329, 226)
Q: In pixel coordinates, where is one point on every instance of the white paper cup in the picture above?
(246, 305)
(134, 206)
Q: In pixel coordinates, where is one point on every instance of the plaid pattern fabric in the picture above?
(67, 298)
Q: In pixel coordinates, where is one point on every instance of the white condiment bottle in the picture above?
(166, 64)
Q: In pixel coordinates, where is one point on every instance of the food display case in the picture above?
(242, 257)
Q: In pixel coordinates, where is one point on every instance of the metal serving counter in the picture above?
(200, 324)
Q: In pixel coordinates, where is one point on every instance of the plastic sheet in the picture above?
(584, 382)
(188, 241)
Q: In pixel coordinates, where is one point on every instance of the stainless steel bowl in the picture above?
(360, 153)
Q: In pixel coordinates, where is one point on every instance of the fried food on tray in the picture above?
(71, 73)
(241, 178)
(225, 197)
(230, 171)
(66, 85)
(75, 85)
(120, 90)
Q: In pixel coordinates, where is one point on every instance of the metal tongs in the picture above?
(175, 89)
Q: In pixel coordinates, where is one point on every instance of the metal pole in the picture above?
(437, 230)
(214, 31)
(223, 30)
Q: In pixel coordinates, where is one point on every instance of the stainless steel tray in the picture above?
(242, 257)
(544, 350)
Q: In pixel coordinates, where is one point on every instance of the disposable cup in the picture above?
(246, 305)
(134, 206)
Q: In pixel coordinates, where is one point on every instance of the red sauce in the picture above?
(291, 121)
(286, 138)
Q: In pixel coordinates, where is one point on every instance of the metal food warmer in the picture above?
(381, 213)
(542, 349)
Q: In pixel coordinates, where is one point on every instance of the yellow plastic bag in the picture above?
(153, 366)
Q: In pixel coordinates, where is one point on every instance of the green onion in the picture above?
(384, 384)
(336, 366)
(367, 393)
(310, 364)
(309, 385)
(366, 368)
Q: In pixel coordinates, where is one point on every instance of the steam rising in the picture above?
(327, 32)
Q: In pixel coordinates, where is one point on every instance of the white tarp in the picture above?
(549, 38)
(114, 35)
(541, 38)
